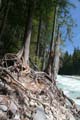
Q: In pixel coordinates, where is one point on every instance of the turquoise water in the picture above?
(71, 86)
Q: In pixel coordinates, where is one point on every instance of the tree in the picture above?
(50, 60)
(43, 12)
(56, 55)
(38, 37)
(0, 3)
(3, 24)
(27, 34)
(62, 10)
(76, 61)
(28, 31)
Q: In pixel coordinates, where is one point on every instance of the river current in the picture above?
(71, 86)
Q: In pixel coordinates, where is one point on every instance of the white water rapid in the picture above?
(71, 86)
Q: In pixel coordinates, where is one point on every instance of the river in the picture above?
(71, 86)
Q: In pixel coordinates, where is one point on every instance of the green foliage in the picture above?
(71, 63)
(12, 38)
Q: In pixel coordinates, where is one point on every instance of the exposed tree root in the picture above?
(24, 91)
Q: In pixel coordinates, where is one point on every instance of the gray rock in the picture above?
(3, 115)
(13, 107)
(39, 114)
(17, 117)
(3, 108)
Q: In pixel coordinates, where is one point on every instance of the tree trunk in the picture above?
(20, 53)
(51, 54)
(56, 55)
(44, 60)
(3, 25)
(0, 3)
(38, 37)
(27, 34)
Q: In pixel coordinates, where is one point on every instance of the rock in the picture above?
(78, 98)
(3, 115)
(13, 107)
(17, 117)
(3, 108)
(39, 114)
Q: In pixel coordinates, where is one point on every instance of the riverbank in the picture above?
(26, 94)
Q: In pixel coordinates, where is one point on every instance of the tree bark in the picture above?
(3, 25)
(27, 34)
(56, 55)
(43, 60)
(38, 37)
(51, 54)
(0, 3)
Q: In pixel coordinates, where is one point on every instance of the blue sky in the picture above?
(75, 12)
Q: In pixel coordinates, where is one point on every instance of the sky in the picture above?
(75, 12)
